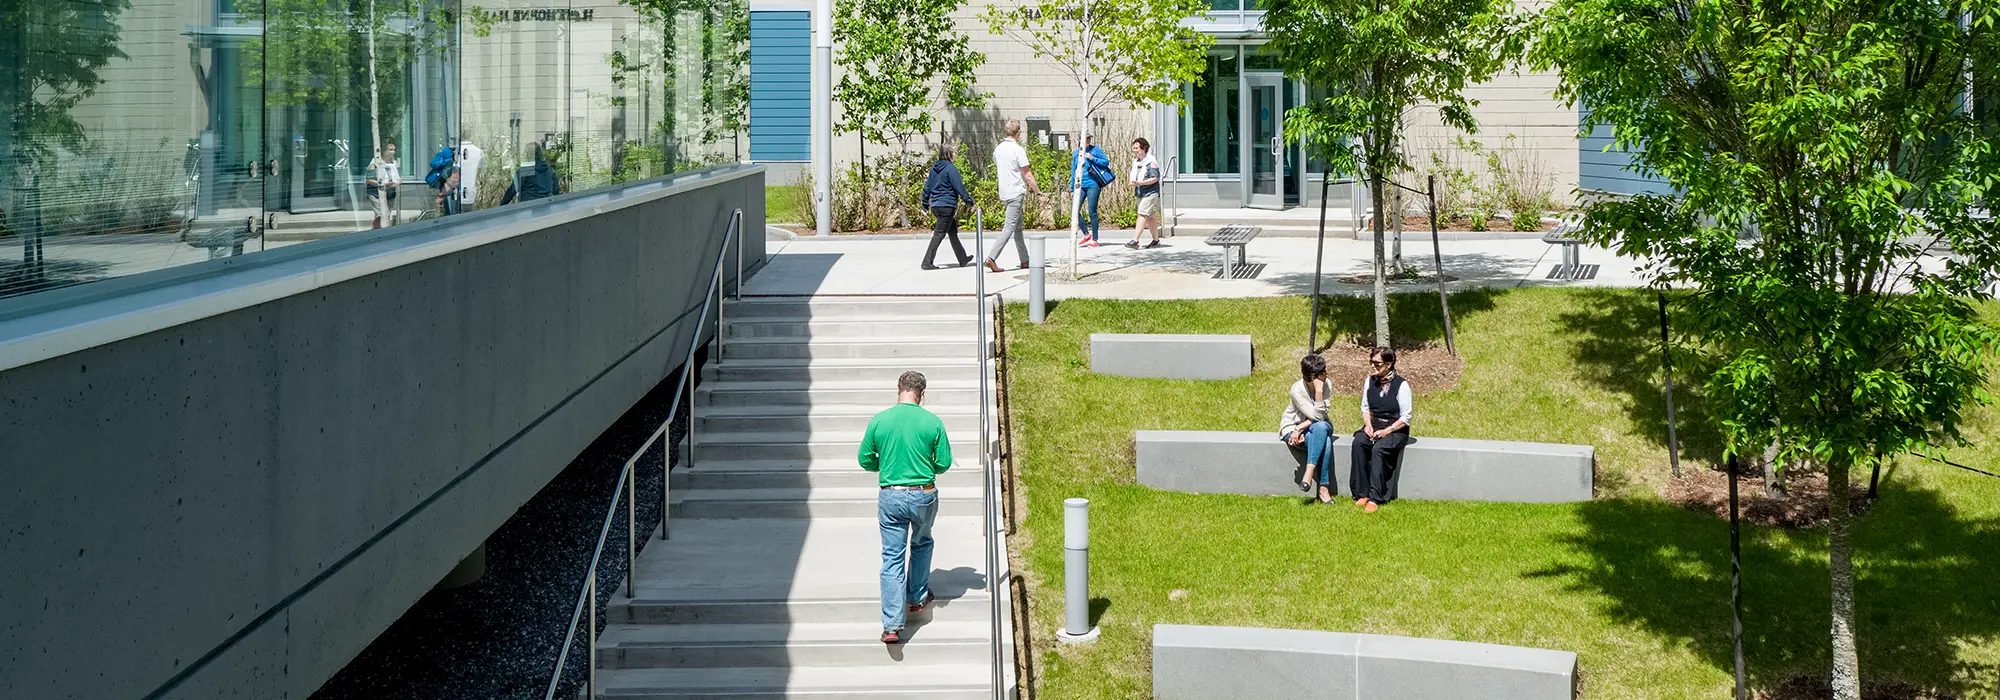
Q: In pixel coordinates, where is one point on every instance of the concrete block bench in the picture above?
(1435, 469)
(1231, 663)
(1166, 356)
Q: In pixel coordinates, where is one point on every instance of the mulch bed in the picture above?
(1803, 506)
(1464, 225)
(1819, 688)
(1427, 369)
(1369, 279)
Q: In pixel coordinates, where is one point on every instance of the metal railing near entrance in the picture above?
(627, 490)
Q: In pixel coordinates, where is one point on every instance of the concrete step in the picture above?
(786, 474)
(830, 502)
(755, 445)
(800, 347)
(825, 558)
(969, 607)
(1194, 232)
(849, 308)
(959, 325)
(885, 680)
(831, 392)
(806, 372)
(790, 644)
(803, 422)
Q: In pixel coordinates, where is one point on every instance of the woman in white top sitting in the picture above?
(1305, 424)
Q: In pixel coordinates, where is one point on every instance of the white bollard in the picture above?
(1038, 263)
(1076, 573)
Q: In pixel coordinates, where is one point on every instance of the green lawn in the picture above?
(785, 204)
(1637, 587)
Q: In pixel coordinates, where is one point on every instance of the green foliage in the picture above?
(1821, 153)
(69, 43)
(899, 60)
(1133, 52)
(1457, 188)
(721, 66)
(1388, 56)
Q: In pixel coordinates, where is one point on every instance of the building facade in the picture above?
(1220, 145)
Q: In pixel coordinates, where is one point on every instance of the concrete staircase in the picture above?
(767, 586)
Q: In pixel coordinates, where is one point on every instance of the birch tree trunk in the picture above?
(1381, 265)
(375, 120)
(1846, 662)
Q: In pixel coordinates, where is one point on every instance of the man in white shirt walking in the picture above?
(1016, 181)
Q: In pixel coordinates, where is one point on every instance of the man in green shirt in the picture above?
(907, 448)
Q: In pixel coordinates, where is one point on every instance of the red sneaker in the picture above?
(892, 636)
(919, 606)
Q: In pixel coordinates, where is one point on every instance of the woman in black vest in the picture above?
(1385, 429)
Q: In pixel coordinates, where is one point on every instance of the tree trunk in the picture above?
(903, 205)
(375, 118)
(1381, 266)
(1846, 662)
(1774, 482)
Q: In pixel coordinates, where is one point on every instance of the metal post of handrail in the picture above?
(590, 674)
(628, 489)
(632, 521)
(993, 581)
(737, 222)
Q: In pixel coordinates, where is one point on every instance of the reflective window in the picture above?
(1208, 133)
(143, 134)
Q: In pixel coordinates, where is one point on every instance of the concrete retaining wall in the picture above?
(1232, 663)
(1168, 356)
(225, 479)
(1438, 469)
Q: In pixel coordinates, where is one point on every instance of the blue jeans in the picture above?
(1088, 219)
(906, 518)
(1319, 449)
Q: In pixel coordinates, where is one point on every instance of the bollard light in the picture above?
(1076, 573)
(1038, 263)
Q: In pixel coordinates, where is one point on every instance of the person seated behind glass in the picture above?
(1385, 430)
(1304, 424)
(535, 179)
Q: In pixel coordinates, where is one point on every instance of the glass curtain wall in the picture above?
(143, 134)
(1209, 138)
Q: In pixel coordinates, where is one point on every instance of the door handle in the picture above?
(1276, 150)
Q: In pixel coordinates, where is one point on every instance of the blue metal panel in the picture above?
(1600, 166)
(780, 85)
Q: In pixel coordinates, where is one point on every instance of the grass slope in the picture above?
(1637, 587)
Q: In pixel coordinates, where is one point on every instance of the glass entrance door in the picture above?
(1267, 151)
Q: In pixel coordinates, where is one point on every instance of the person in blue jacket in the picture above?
(1091, 170)
(943, 190)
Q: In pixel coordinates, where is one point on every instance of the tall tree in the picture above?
(899, 61)
(1829, 178)
(52, 53)
(1380, 59)
(1133, 52)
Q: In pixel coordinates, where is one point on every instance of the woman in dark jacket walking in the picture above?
(535, 180)
(943, 190)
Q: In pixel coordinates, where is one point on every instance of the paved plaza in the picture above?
(1183, 269)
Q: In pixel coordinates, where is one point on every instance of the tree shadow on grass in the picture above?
(1416, 319)
(1619, 349)
(1926, 583)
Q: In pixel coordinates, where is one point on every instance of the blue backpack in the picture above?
(440, 167)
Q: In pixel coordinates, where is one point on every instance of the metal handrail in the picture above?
(628, 487)
(992, 486)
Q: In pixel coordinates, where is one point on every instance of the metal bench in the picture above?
(1564, 234)
(1238, 237)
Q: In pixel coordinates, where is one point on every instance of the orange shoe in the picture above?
(1370, 507)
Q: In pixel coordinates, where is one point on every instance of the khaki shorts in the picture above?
(1149, 205)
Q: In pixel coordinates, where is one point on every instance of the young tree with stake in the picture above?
(1134, 52)
(899, 60)
(1380, 59)
(1828, 218)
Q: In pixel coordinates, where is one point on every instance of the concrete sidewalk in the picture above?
(1183, 269)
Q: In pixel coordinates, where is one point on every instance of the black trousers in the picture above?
(947, 225)
(1372, 474)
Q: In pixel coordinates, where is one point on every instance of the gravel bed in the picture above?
(499, 636)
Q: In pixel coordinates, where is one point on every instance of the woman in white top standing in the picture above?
(1305, 424)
